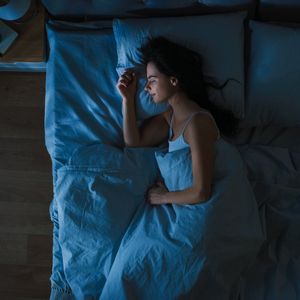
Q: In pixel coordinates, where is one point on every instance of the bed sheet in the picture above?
(83, 109)
(81, 106)
(275, 136)
(152, 252)
(178, 244)
(274, 174)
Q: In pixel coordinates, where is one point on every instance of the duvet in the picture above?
(112, 244)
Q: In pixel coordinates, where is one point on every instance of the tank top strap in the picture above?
(189, 119)
(171, 121)
(197, 112)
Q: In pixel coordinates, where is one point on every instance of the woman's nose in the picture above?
(146, 87)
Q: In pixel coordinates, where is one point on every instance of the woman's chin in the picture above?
(156, 100)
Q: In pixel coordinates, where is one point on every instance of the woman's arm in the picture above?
(130, 128)
(201, 134)
(159, 194)
(127, 85)
(153, 131)
(187, 196)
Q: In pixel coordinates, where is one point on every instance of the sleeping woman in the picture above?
(174, 76)
(189, 248)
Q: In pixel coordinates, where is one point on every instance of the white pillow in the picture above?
(219, 38)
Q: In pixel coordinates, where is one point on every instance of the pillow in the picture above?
(273, 84)
(218, 38)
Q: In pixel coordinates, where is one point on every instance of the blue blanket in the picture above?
(115, 245)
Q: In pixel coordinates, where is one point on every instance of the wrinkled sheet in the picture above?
(274, 174)
(82, 105)
(96, 198)
(117, 246)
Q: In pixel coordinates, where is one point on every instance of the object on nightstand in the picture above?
(12, 10)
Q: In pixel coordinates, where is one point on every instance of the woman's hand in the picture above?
(156, 194)
(127, 85)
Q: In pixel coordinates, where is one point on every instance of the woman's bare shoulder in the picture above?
(201, 125)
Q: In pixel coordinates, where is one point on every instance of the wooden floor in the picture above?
(25, 189)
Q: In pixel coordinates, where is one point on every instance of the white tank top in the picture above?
(180, 143)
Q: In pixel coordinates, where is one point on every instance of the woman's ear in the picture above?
(174, 81)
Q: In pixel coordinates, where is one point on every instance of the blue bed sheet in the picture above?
(243, 241)
(105, 235)
(82, 105)
(274, 174)
(117, 246)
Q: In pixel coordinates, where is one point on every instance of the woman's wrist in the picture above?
(127, 100)
(165, 198)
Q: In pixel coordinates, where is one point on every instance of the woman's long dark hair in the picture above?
(175, 60)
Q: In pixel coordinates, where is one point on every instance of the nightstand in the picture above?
(27, 53)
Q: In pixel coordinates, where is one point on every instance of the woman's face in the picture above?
(159, 86)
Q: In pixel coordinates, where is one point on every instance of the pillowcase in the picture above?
(218, 38)
(273, 83)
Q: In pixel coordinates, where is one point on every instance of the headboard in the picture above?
(264, 10)
(104, 9)
(279, 10)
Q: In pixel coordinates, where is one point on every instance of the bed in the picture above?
(108, 242)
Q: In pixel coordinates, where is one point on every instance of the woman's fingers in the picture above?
(127, 83)
(119, 84)
(126, 79)
(123, 82)
(127, 75)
